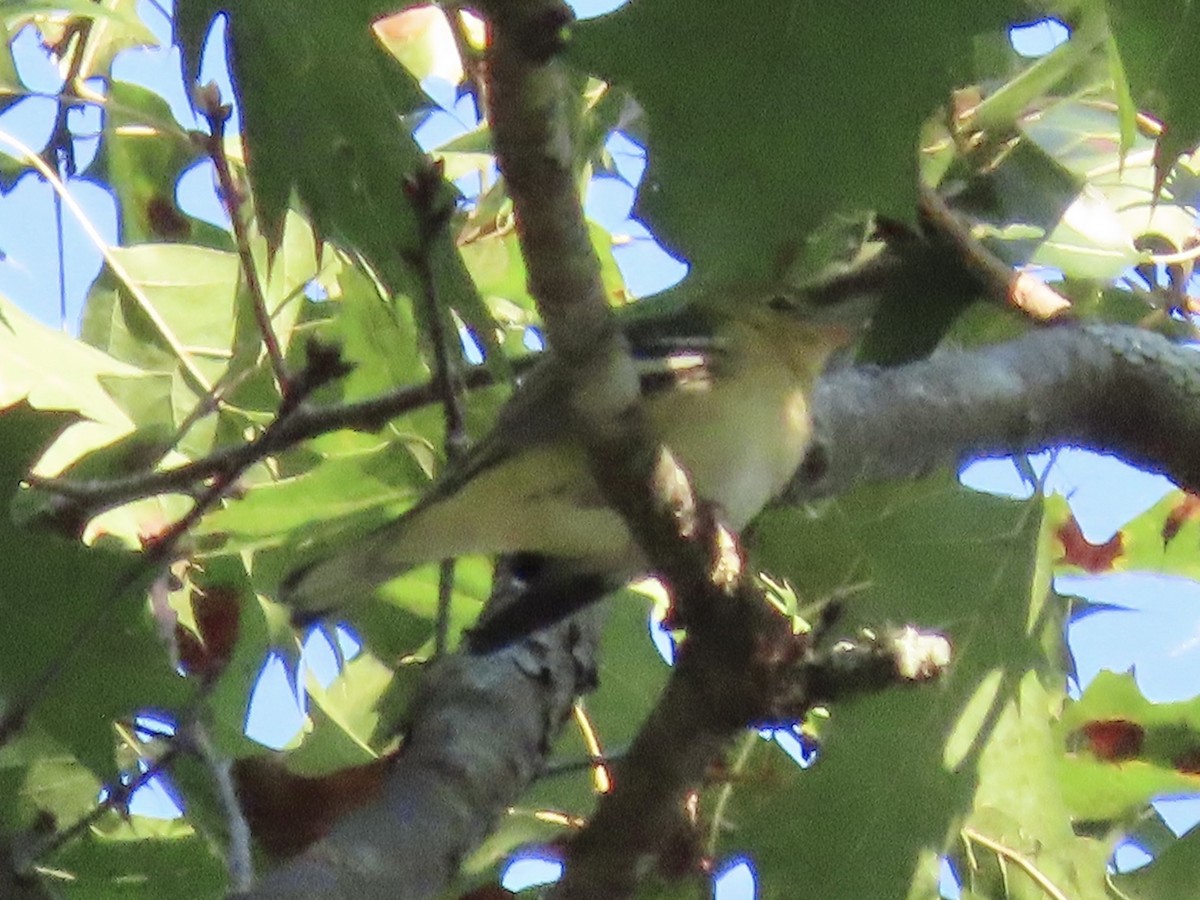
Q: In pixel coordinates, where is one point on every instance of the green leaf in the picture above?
(1021, 828)
(299, 259)
(37, 775)
(11, 88)
(421, 38)
(114, 26)
(347, 166)
(1110, 782)
(1118, 205)
(519, 827)
(143, 151)
(120, 13)
(498, 270)
(339, 489)
(77, 637)
(927, 553)
(333, 65)
(1156, 42)
(142, 860)
(378, 337)
(345, 718)
(1164, 538)
(176, 309)
(1171, 875)
(1068, 195)
(166, 307)
(775, 78)
(74, 382)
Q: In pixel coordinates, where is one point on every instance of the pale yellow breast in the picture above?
(744, 436)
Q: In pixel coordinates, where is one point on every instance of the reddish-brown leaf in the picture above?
(205, 652)
(287, 812)
(1188, 762)
(165, 219)
(1183, 512)
(1078, 551)
(1114, 740)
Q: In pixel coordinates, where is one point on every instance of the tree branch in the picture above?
(1010, 287)
(480, 730)
(238, 859)
(707, 703)
(737, 642)
(529, 92)
(433, 216)
(81, 500)
(1099, 386)
(1113, 388)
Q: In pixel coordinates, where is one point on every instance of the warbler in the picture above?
(726, 387)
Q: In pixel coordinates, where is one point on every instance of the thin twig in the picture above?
(206, 405)
(586, 764)
(238, 859)
(1022, 290)
(1190, 254)
(746, 747)
(93, 497)
(217, 115)
(60, 149)
(424, 190)
(61, 250)
(61, 145)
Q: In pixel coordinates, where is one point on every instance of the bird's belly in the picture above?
(740, 455)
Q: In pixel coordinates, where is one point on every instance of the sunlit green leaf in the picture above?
(1108, 777)
(136, 863)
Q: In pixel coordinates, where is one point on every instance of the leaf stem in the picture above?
(217, 115)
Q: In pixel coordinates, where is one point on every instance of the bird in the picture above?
(726, 382)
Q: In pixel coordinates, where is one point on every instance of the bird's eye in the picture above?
(782, 303)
